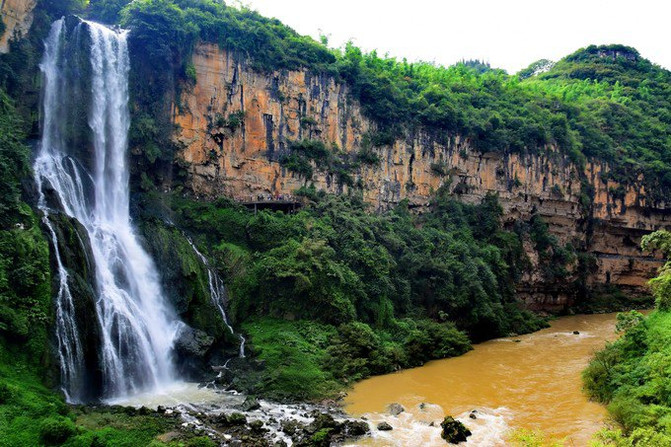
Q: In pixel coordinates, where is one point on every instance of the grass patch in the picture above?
(293, 353)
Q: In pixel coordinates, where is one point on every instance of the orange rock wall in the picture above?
(17, 15)
(293, 105)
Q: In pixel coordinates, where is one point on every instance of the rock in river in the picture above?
(383, 426)
(395, 409)
(454, 431)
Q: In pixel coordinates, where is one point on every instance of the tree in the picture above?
(107, 11)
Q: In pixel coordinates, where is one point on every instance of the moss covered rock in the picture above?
(454, 431)
(74, 248)
(183, 277)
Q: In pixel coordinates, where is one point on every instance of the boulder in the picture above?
(291, 426)
(324, 421)
(250, 403)
(229, 420)
(454, 431)
(257, 426)
(355, 428)
(192, 342)
(384, 426)
(395, 409)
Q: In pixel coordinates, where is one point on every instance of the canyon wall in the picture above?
(17, 16)
(242, 161)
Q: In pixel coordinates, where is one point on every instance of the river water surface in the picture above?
(531, 381)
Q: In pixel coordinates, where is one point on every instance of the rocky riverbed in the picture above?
(232, 419)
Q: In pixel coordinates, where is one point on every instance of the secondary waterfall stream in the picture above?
(217, 294)
(85, 85)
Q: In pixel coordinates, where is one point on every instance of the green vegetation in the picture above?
(310, 360)
(632, 375)
(271, 44)
(33, 415)
(304, 156)
(661, 285)
(553, 258)
(25, 280)
(532, 438)
(13, 161)
(294, 353)
(334, 293)
(183, 277)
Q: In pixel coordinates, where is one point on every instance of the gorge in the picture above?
(194, 193)
(286, 106)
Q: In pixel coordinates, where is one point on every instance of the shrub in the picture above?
(631, 375)
(392, 289)
(661, 285)
(431, 340)
(439, 168)
(55, 431)
(368, 157)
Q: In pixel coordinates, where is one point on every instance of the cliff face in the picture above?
(17, 15)
(242, 161)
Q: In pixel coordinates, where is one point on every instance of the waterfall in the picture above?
(217, 294)
(82, 162)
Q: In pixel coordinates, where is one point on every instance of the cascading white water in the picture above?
(137, 327)
(217, 294)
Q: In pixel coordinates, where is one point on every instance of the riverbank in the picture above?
(632, 376)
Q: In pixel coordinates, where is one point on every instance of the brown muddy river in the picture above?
(533, 383)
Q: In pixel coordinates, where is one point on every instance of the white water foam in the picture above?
(420, 426)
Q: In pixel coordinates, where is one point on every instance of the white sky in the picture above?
(509, 34)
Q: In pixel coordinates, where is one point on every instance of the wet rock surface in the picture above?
(193, 342)
(384, 426)
(395, 409)
(454, 431)
(251, 403)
